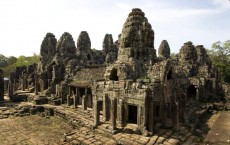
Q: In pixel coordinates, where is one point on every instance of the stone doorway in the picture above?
(100, 107)
(113, 76)
(132, 114)
(191, 93)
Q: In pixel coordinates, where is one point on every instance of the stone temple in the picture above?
(125, 82)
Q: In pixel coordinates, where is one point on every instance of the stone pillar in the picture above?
(84, 106)
(84, 99)
(113, 114)
(49, 83)
(9, 89)
(138, 116)
(96, 113)
(165, 114)
(68, 100)
(36, 85)
(150, 114)
(105, 108)
(176, 117)
(144, 121)
(120, 113)
(42, 85)
(14, 86)
(197, 93)
(75, 99)
(23, 84)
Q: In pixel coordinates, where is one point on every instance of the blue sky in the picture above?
(24, 23)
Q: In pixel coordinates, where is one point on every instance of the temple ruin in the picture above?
(125, 82)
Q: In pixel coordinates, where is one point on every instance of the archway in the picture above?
(191, 92)
(132, 115)
(113, 76)
(169, 75)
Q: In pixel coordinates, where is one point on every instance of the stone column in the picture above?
(96, 113)
(23, 83)
(139, 116)
(75, 99)
(49, 83)
(84, 107)
(84, 99)
(165, 111)
(113, 114)
(176, 117)
(36, 85)
(150, 112)
(9, 89)
(14, 86)
(120, 113)
(68, 97)
(105, 107)
(197, 93)
(68, 100)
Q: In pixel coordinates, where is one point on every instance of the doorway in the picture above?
(132, 114)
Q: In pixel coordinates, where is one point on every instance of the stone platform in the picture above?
(220, 132)
(18, 122)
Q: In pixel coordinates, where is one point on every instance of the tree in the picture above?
(9, 64)
(220, 55)
(3, 61)
(11, 60)
(22, 61)
(33, 59)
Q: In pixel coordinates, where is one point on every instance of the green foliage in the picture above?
(220, 55)
(9, 64)
(12, 60)
(3, 61)
(22, 61)
(7, 70)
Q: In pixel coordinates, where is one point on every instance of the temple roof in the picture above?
(86, 76)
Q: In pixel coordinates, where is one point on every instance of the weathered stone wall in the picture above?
(226, 88)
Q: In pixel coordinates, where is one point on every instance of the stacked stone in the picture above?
(164, 49)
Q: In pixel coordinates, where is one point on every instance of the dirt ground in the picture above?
(33, 130)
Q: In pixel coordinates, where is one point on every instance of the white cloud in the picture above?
(225, 4)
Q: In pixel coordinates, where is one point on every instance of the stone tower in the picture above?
(164, 49)
(108, 43)
(48, 48)
(188, 53)
(202, 57)
(83, 42)
(136, 41)
(66, 46)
